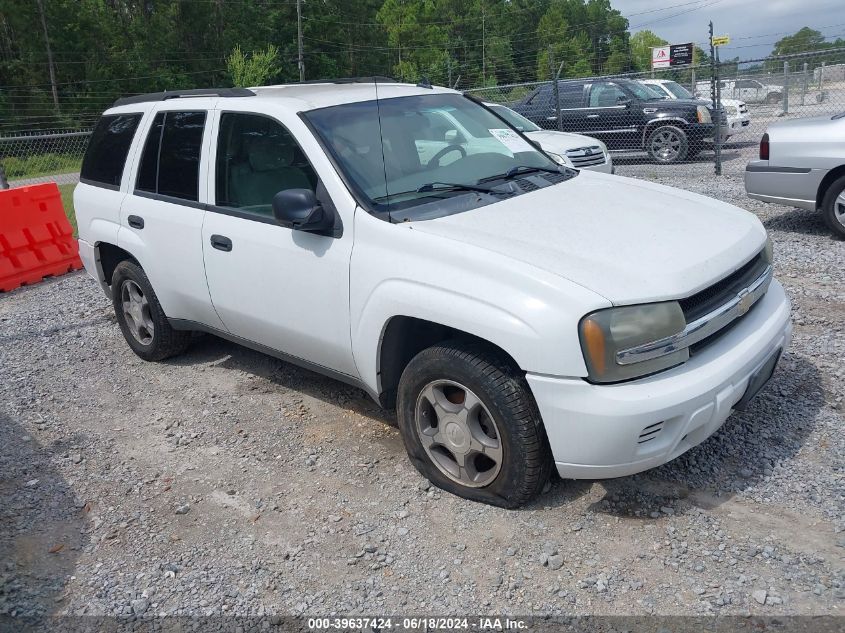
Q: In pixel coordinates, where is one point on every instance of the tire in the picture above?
(833, 207)
(501, 412)
(667, 144)
(143, 322)
(773, 98)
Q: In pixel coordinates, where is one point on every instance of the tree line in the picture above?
(63, 61)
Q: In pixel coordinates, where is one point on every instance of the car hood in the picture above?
(562, 141)
(628, 240)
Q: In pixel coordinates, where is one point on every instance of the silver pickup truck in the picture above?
(802, 164)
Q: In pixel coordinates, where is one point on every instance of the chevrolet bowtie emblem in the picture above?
(746, 300)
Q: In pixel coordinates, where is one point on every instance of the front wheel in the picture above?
(668, 144)
(833, 207)
(773, 98)
(470, 425)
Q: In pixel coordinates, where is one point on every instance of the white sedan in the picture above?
(572, 150)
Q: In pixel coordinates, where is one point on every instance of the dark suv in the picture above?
(625, 114)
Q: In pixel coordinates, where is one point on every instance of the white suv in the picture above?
(518, 315)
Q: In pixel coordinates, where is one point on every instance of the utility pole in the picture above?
(716, 97)
(300, 60)
(483, 45)
(49, 54)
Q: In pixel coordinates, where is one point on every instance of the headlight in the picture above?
(604, 333)
(703, 115)
(560, 160)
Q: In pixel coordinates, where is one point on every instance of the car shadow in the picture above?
(43, 530)
(207, 348)
(711, 473)
(797, 220)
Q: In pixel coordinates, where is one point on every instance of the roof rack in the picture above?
(179, 94)
(353, 80)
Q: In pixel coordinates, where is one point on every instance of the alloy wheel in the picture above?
(666, 145)
(136, 310)
(839, 208)
(458, 433)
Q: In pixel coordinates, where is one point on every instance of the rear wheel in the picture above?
(141, 319)
(667, 144)
(833, 207)
(470, 425)
(772, 98)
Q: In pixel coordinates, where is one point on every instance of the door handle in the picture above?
(592, 116)
(136, 221)
(221, 243)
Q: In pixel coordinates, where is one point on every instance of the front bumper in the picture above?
(790, 186)
(738, 124)
(596, 431)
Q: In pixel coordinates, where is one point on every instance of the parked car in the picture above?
(802, 164)
(572, 150)
(736, 111)
(517, 315)
(624, 115)
(748, 90)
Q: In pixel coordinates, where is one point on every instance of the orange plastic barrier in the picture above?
(36, 239)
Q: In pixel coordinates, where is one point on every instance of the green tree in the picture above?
(252, 70)
(805, 39)
(641, 44)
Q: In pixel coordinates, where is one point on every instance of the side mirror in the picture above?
(625, 102)
(300, 210)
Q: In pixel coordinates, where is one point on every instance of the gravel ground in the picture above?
(228, 482)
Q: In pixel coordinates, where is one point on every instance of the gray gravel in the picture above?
(229, 482)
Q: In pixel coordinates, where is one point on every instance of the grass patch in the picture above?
(67, 203)
(41, 165)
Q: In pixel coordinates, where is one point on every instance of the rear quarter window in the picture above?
(107, 150)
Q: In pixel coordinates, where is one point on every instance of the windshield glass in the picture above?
(437, 138)
(641, 91)
(678, 90)
(515, 119)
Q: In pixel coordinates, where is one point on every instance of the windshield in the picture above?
(678, 90)
(425, 139)
(642, 92)
(515, 119)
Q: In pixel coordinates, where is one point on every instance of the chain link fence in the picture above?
(671, 137)
(30, 157)
(645, 119)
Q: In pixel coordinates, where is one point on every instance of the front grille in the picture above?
(586, 156)
(723, 290)
(718, 294)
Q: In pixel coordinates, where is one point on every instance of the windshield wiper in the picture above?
(519, 169)
(452, 186)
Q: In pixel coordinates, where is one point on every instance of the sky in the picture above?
(753, 25)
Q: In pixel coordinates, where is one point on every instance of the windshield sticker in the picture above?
(510, 139)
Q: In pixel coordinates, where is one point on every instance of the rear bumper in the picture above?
(597, 431)
(88, 255)
(790, 186)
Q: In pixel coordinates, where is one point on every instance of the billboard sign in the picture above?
(671, 55)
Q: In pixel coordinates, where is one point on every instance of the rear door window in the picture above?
(170, 162)
(107, 150)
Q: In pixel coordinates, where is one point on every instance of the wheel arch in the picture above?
(656, 123)
(830, 177)
(108, 256)
(403, 337)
